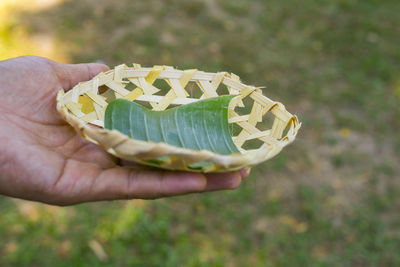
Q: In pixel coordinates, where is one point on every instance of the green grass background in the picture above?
(329, 199)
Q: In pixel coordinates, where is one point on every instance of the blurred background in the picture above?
(330, 198)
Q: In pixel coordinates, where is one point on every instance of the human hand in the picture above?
(43, 159)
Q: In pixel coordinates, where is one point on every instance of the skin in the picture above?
(43, 159)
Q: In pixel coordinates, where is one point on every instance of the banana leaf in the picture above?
(199, 125)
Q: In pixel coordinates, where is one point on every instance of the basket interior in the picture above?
(256, 121)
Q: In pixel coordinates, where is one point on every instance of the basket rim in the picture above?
(115, 78)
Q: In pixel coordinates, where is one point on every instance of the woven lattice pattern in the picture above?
(84, 107)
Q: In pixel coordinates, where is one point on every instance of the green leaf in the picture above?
(199, 125)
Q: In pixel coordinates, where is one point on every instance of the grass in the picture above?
(331, 198)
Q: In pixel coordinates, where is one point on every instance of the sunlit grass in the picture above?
(15, 38)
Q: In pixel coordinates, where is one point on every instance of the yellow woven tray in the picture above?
(83, 107)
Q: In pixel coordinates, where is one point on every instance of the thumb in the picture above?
(71, 74)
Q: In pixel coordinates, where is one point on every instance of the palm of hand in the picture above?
(45, 160)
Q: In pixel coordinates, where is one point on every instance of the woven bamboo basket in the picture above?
(249, 115)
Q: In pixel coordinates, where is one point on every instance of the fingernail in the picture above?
(245, 172)
(222, 181)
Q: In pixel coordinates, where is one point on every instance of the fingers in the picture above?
(125, 183)
(71, 74)
(223, 181)
(85, 182)
(215, 181)
(226, 180)
(136, 166)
